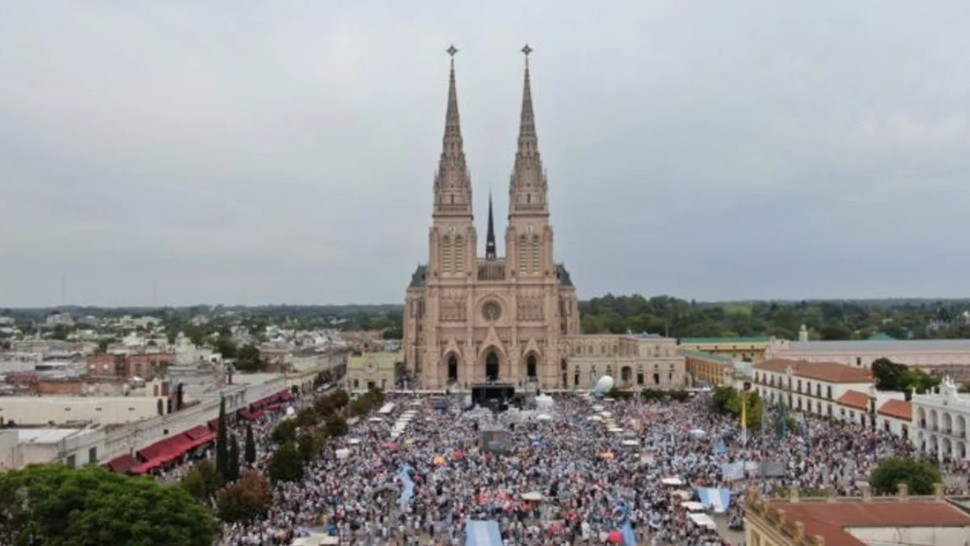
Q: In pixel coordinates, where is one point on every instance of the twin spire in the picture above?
(527, 187)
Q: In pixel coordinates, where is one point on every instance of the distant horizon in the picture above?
(904, 299)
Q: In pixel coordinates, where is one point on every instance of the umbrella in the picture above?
(615, 537)
(439, 460)
(458, 454)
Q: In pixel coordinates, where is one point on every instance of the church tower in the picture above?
(528, 240)
(452, 237)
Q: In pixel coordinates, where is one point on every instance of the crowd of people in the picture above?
(562, 478)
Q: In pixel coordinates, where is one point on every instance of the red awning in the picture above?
(146, 467)
(123, 463)
(195, 433)
(286, 395)
(274, 407)
(165, 450)
(214, 424)
(253, 415)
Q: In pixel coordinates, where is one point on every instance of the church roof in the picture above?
(417, 279)
(563, 276)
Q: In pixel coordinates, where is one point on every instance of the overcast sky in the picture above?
(284, 152)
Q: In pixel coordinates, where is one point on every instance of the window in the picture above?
(530, 366)
(93, 455)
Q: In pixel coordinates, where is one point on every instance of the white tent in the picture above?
(672, 481)
(315, 540)
(533, 496)
(702, 520)
(342, 453)
(543, 417)
(692, 506)
(630, 443)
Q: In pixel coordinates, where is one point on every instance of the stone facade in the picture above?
(512, 318)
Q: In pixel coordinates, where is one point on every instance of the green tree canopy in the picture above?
(202, 481)
(246, 499)
(919, 476)
(53, 505)
(286, 464)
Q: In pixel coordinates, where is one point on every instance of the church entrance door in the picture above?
(452, 369)
(491, 367)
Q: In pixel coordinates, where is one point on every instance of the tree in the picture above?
(286, 464)
(59, 506)
(888, 375)
(246, 499)
(222, 446)
(919, 476)
(232, 471)
(335, 426)
(308, 446)
(250, 453)
(836, 332)
(248, 359)
(202, 481)
(284, 432)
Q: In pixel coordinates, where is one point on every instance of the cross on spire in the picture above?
(451, 51)
(527, 50)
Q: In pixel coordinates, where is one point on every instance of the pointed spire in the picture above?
(527, 121)
(490, 238)
(527, 190)
(452, 121)
(452, 185)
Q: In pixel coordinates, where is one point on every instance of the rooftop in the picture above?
(830, 372)
(725, 340)
(707, 356)
(838, 520)
(854, 399)
(884, 345)
(899, 409)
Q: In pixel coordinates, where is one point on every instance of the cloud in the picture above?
(248, 152)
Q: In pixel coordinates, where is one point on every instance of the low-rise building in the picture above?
(751, 349)
(634, 361)
(128, 365)
(854, 521)
(940, 421)
(941, 356)
(814, 387)
(708, 368)
(895, 416)
(373, 370)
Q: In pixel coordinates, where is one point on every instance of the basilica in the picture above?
(471, 319)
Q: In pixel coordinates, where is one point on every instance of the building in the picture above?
(708, 368)
(750, 349)
(940, 422)
(513, 318)
(895, 416)
(942, 356)
(854, 521)
(128, 365)
(372, 370)
(814, 387)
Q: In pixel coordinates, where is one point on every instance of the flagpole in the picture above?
(744, 419)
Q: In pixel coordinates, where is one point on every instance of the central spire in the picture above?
(527, 190)
(452, 185)
(490, 238)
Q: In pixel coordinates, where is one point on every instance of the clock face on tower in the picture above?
(491, 310)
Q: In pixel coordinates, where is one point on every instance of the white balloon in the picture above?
(603, 385)
(543, 402)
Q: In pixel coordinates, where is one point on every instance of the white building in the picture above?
(940, 422)
(813, 387)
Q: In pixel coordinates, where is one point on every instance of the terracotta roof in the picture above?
(854, 399)
(830, 372)
(828, 519)
(900, 409)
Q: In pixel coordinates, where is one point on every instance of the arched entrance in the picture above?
(491, 366)
(530, 366)
(452, 369)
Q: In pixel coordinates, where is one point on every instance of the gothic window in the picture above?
(535, 254)
(446, 255)
(626, 374)
(459, 255)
